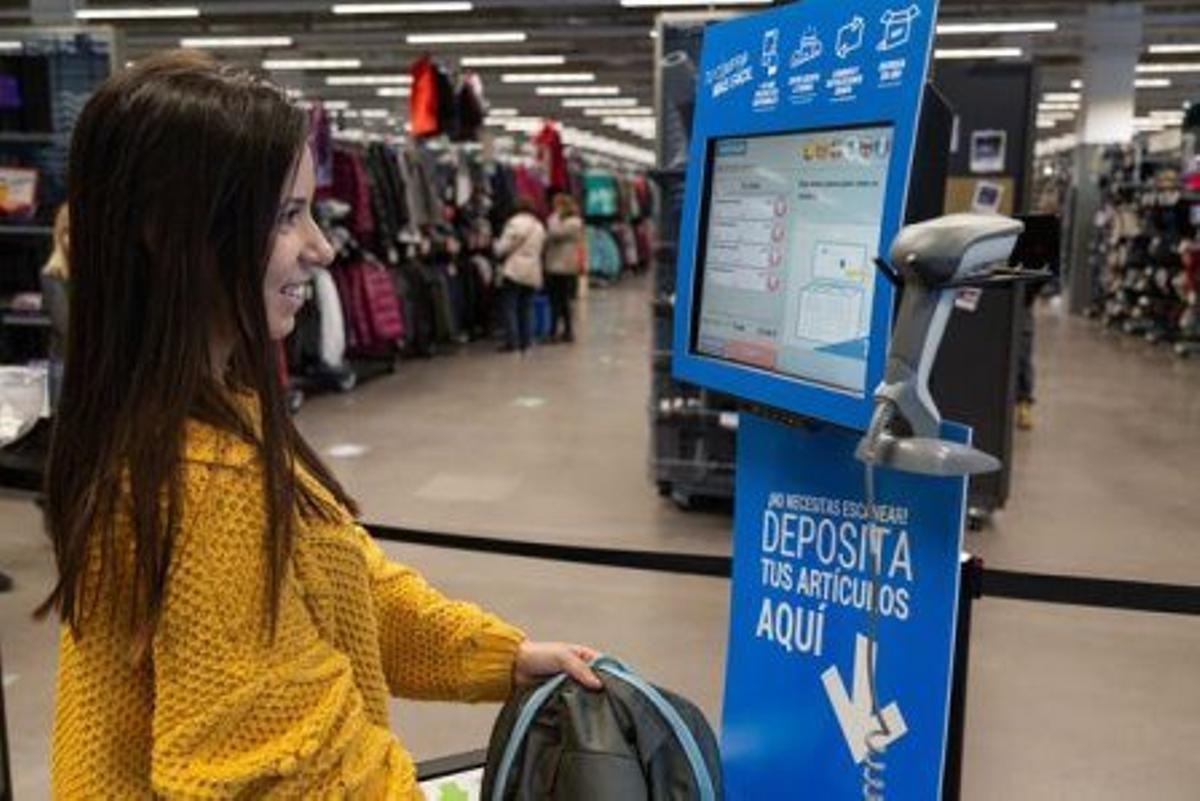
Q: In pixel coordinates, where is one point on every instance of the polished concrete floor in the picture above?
(1064, 702)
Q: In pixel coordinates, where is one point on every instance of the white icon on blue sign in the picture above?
(809, 49)
(850, 36)
(770, 51)
(897, 27)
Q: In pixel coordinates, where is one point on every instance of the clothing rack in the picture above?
(1146, 251)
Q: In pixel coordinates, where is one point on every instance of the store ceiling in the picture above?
(594, 36)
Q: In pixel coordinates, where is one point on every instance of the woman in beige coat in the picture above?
(520, 246)
(564, 234)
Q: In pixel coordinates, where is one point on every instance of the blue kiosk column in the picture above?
(799, 167)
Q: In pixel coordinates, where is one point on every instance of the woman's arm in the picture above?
(236, 714)
(433, 647)
(510, 238)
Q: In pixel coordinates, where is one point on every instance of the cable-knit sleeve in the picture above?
(435, 648)
(238, 715)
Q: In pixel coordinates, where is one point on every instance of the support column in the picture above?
(1112, 46)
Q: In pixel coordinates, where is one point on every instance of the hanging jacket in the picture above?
(529, 185)
(423, 101)
(320, 142)
(632, 742)
(469, 119)
(601, 199)
(552, 157)
(447, 110)
(604, 254)
(350, 185)
(521, 246)
(333, 323)
(562, 244)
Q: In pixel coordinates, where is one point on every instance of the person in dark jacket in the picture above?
(564, 237)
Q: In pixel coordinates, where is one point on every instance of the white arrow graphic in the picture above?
(854, 713)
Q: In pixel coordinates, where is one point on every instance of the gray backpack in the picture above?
(558, 741)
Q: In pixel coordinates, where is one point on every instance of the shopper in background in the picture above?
(56, 299)
(520, 245)
(228, 630)
(564, 231)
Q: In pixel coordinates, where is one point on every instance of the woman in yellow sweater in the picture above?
(228, 631)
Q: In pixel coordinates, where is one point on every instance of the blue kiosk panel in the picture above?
(802, 144)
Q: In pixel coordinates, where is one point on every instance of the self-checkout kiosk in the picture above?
(850, 496)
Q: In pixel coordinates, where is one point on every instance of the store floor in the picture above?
(1064, 702)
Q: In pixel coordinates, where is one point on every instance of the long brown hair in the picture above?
(176, 170)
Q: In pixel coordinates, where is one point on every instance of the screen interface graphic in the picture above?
(787, 275)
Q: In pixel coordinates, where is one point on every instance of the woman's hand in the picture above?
(538, 659)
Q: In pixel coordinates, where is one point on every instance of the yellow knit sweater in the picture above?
(218, 711)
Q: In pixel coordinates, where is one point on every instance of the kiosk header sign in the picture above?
(802, 144)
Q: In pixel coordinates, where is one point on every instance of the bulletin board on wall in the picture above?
(991, 147)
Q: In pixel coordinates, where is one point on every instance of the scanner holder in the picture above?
(930, 262)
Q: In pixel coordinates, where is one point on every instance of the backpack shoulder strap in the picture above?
(614, 667)
(529, 709)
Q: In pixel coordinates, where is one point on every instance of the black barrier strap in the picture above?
(1136, 596)
(659, 561)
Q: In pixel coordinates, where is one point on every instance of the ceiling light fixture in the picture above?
(494, 37)
(160, 12)
(512, 61)
(368, 80)
(1138, 83)
(1174, 49)
(11, 47)
(958, 28)
(609, 102)
(1168, 68)
(335, 105)
(312, 64)
(1148, 124)
(1058, 107)
(636, 111)
(503, 112)
(374, 113)
(977, 52)
(403, 8)
(1061, 97)
(685, 3)
(578, 91)
(393, 91)
(548, 77)
(215, 42)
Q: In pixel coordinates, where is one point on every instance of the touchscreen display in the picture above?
(786, 273)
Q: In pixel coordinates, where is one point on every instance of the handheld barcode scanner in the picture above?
(931, 261)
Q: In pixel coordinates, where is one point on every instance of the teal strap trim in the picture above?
(533, 704)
